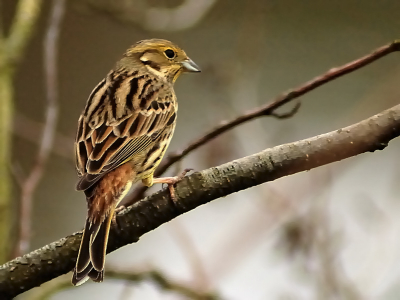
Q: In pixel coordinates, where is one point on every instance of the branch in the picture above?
(269, 109)
(57, 258)
(34, 177)
(180, 17)
(31, 130)
(158, 278)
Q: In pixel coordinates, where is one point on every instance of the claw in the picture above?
(119, 209)
(171, 181)
(185, 171)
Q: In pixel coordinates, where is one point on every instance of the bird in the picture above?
(123, 133)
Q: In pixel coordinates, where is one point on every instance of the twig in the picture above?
(268, 109)
(57, 258)
(288, 114)
(32, 130)
(34, 177)
(183, 16)
(18, 173)
(164, 283)
(159, 279)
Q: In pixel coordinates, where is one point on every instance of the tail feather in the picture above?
(83, 259)
(88, 272)
(92, 252)
(79, 278)
(98, 243)
(102, 199)
(96, 276)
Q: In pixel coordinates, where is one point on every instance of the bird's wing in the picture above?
(125, 115)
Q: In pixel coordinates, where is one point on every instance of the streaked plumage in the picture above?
(123, 133)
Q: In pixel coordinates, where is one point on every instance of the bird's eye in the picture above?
(169, 53)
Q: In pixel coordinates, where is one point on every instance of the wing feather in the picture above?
(104, 143)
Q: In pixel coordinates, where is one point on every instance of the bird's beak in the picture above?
(190, 66)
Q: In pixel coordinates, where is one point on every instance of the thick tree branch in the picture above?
(57, 258)
(269, 109)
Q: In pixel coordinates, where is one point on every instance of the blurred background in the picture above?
(330, 233)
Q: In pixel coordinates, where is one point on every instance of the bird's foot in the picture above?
(171, 181)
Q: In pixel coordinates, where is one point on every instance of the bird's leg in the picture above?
(149, 181)
(120, 207)
(114, 217)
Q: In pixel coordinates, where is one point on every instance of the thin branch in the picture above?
(33, 179)
(184, 16)
(181, 17)
(32, 131)
(18, 173)
(288, 114)
(57, 258)
(159, 279)
(269, 109)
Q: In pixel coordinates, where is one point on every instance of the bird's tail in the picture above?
(92, 252)
(102, 200)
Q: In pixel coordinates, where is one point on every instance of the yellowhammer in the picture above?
(123, 133)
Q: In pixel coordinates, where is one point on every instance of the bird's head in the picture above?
(160, 57)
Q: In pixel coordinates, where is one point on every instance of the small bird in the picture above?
(123, 133)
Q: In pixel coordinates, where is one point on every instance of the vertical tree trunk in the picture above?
(11, 50)
(6, 111)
